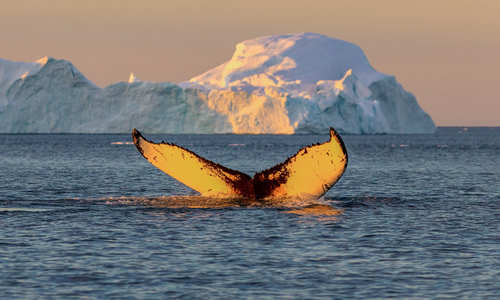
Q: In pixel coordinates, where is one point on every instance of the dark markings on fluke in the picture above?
(308, 174)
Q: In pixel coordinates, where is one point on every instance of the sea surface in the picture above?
(83, 216)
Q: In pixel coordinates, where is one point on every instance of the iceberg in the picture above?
(297, 83)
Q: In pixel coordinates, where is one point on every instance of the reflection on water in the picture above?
(297, 206)
(316, 210)
(176, 201)
(325, 206)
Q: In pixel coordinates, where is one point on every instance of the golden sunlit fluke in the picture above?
(307, 175)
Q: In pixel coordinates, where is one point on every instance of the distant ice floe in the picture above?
(122, 143)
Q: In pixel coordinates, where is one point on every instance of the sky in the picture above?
(445, 52)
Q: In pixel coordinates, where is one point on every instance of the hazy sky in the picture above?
(447, 53)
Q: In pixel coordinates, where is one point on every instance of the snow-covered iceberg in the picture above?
(300, 83)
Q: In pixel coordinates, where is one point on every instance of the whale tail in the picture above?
(202, 175)
(310, 173)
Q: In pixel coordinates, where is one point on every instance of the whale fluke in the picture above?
(204, 176)
(310, 173)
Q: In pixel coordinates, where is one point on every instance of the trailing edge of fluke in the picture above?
(310, 173)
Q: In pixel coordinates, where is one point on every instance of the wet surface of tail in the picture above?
(308, 174)
(202, 175)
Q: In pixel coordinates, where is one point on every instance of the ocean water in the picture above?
(83, 216)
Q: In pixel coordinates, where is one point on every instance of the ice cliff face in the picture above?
(278, 84)
(11, 71)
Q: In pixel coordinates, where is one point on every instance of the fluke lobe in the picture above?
(310, 173)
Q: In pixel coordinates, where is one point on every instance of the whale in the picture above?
(308, 174)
